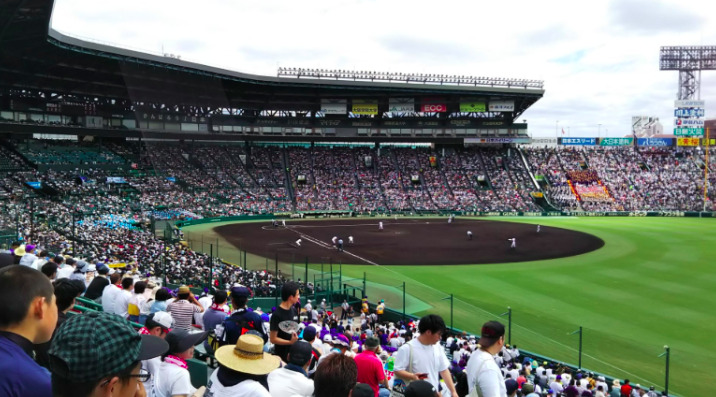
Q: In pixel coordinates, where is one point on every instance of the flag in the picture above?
(562, 131)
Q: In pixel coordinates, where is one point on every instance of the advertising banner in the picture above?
(578, 141)
(688, 141)
(689, 131)
(334, 106)
(689, 103)
(663, 142)
(433, 108)
(488, 141)
(502, 106)
(691, 112)
(472, 106)
(368, 107)
(616, 141)
(689, 123)
(401, 105)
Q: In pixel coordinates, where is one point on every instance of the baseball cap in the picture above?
(300, 353)
(183, 290)
(511, 386)
(420, 388)
(164, 319)
(309, 333)
(341, 340)
(362, 390)
(240, 291)
(93, 345)
(327, 338)
(492, 330)
(181, 340)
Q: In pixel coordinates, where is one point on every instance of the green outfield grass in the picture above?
(651, 285)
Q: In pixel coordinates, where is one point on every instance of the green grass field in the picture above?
(651, 285)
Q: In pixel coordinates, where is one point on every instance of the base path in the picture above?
(427, 241)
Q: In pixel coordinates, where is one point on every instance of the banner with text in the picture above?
(334, 106)
(492, 141)
(433, 108)
(578, 141)
(689, 103)
(365, 107)
(401, 105)
(502, 106)
(616, 141)
(663, 142)
(689, 131)
(688, 141)
(472, 106)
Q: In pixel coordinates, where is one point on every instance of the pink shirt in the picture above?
(370, 369)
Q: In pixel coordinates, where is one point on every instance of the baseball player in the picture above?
(538, 228)
(350, 240)
(298, 242)
(469, 235)
(334, 240)
(340, 245)
(283, 222)
(513, 243)
(449, 219)
(380, 225)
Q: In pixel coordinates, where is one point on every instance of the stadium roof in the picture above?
(33, 56)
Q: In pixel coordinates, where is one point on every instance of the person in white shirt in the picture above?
(205, 302)
(121, 304)
(428, 357)
(66, 270)
(110, 293)
(292, 379)
(482, 370)
(29, 258)
(174, 378)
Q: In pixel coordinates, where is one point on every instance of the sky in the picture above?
(599, 60)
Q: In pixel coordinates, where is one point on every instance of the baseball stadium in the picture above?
(422, 191)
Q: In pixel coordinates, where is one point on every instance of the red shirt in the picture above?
(370, 369)
(626, 390)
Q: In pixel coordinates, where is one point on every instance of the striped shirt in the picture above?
(182, 312)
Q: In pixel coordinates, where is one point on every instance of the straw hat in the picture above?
(247, 356)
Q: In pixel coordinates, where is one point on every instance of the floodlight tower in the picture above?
(689, 61)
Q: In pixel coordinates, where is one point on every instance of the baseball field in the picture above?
(634, 285)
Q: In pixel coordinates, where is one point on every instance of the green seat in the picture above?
(198, 370)
(89, 303)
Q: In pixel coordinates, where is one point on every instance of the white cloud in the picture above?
(599, 60)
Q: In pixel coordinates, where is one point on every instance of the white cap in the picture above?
(164, 319)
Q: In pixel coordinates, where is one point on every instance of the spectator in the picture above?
(482, 370)
(285, 315)
(241, 319)
(370, 368)
(292, 379)
(335, 377)
(160, 301)
(98, 284)
(29, 258)
(215, 315)
(49, 269)
(421, 388)
(309, 335)
(66, 270)
(137, 303)
(66, 293)
(28, 317)
(428, 357)
(174, 379)
(111, 292)
(626, 389)
(98, 354)
(243, 369)
(121, 304)
(158, 324)
(183, 308)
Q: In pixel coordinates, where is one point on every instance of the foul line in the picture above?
(331, 247)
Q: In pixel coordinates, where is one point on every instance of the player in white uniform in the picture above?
(513, 243)
(350, 239)
(283, 222)
(469, 235)
(538, 228)
(298, 242)
(334, 240)
(380, 225)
